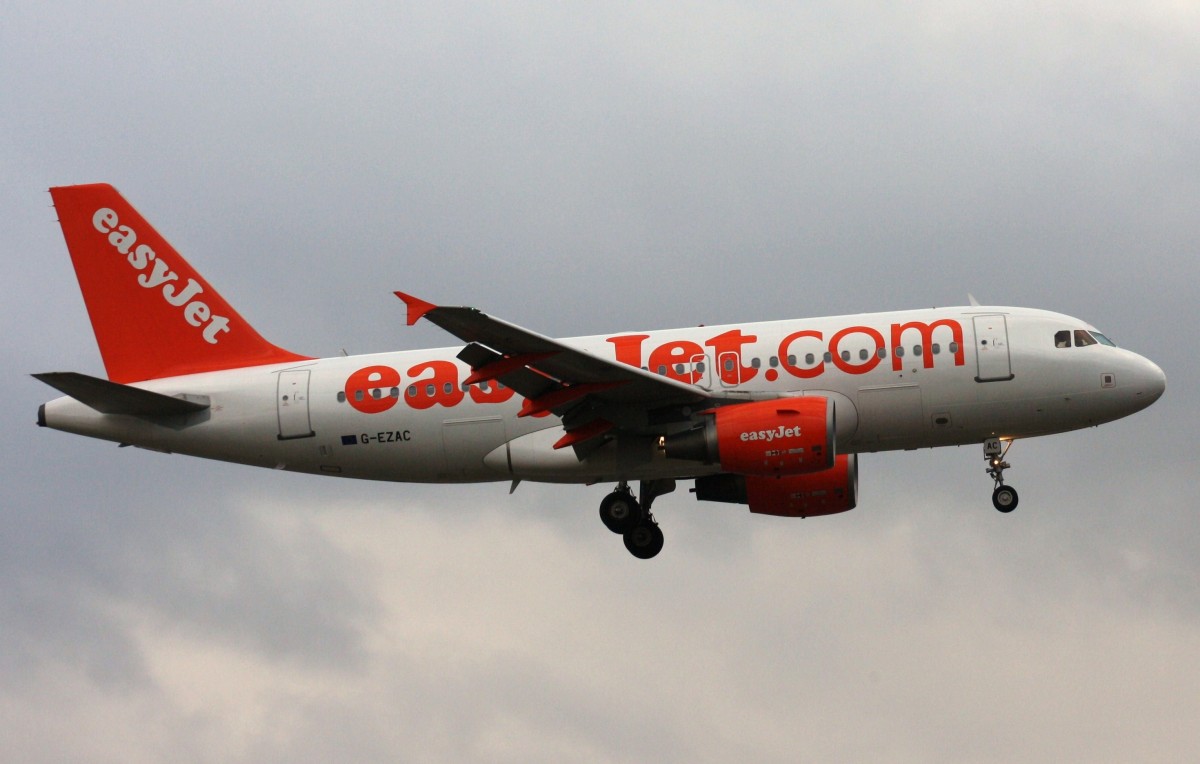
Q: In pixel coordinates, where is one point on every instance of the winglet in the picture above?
(417, 308)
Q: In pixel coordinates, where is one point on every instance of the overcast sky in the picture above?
(579, 171)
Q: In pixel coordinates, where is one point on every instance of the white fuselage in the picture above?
(961, 375)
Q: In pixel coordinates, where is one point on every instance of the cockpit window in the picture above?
(1082, 337)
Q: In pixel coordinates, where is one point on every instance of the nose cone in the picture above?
(1158, 381)
(1149, 382)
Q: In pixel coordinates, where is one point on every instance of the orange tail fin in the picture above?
(153, 314)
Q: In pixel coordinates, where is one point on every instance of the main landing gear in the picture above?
(622, 513)
(1004, 497)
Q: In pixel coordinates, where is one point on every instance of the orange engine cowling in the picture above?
(818, 493)
(785, 436)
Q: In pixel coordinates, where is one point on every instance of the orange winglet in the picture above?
(417, 308)
(558, 397)
(503, 366)
(592, 429)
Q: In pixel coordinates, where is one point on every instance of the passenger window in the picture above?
(430, 390)
(882, 352)
(773, 361)
(828, 357)
(395, 392)
(1062, 339)
(810, 359)
(341, 396)
(953, 347)
(412, 391)
(728, 364)
(937, 348)
(899, 351)
(863, 354)
(755, 363)
(358, 395)
(917, 350)
(792, 360)
(1083, 339)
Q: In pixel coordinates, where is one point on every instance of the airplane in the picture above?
(771, 415)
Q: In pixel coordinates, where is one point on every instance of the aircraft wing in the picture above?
(593, 395)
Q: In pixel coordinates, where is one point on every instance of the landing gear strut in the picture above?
(622, 513)
(1004, 497)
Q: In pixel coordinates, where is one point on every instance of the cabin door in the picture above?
(292, 402)
(994, 363)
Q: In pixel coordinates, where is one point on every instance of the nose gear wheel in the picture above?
(1004, 497)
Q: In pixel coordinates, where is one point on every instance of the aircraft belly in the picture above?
(533, 457)
(889, 413)
(398, 445)
(467, 443)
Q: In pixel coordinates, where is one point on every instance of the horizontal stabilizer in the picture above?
(114, 398)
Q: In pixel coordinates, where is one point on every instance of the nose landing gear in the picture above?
(1004, 497)
(622, 513)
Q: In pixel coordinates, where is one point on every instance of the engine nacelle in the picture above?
(819, 493)
(784, 436)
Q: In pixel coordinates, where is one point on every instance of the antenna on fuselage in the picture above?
(974, 302)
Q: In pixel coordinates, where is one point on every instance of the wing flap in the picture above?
(527, 382)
